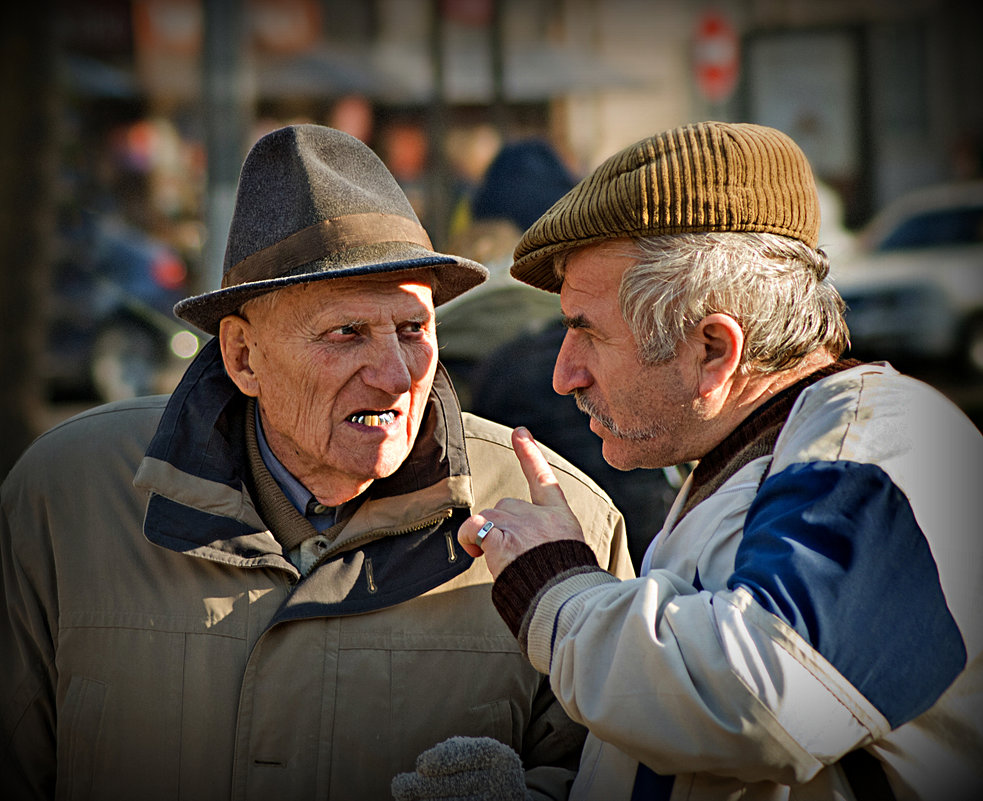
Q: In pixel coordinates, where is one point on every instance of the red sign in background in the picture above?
(716, 57)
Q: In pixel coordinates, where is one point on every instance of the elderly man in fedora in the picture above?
(806, 624)
(252, 588)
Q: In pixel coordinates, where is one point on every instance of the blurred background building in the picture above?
(125, 122)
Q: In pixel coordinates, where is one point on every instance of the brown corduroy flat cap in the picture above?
(703, 177)
(314, 203)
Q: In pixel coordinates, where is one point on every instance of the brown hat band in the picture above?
(316, 241)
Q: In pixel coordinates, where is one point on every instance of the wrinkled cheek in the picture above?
(314, 425)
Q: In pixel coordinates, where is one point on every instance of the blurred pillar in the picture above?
(440, 182)
(228, 113)
(496, 36)
(27, 157)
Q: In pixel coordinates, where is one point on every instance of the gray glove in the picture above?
(464, 769)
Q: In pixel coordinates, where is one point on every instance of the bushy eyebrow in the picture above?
(576, 321)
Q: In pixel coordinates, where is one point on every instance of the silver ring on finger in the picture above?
(483, 532)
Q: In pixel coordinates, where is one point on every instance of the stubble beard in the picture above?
(589, 407)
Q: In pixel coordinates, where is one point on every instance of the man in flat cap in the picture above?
(253, 588)
(806, 623)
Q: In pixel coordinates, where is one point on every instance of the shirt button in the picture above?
(320, 508)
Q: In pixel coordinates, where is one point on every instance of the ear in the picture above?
(719, 340)
(235, 336)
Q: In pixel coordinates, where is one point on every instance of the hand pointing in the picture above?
(520, 525)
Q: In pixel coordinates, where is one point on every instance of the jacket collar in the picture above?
(198, 461)
(754, 438)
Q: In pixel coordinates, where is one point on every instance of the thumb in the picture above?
(544, 489)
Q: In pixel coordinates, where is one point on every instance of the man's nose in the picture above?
(569, 372)
(388, 367)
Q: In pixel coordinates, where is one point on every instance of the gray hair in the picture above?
(773, 286)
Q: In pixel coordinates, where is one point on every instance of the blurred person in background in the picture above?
(354, 115)
(806, 623)
(252, 588)
(403, 148)
(522, 181)
(500, 342)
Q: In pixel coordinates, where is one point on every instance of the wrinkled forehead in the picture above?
(384, 300)
(595, 270)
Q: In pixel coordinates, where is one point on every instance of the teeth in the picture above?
(384, 418)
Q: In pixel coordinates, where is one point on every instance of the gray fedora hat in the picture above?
(315, 203)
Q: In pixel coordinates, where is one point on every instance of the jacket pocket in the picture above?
(494, 719)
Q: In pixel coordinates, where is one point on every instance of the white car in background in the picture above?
(913, 282)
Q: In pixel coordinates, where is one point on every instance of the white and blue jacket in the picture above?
(806, 625)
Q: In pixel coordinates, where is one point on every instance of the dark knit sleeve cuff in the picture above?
(525, 578)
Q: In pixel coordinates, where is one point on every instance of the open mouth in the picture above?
(373, 419)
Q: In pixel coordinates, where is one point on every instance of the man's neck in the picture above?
(756, 389)
(297, 482)
(755, 435)
(724, 411)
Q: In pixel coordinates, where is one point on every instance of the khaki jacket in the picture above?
(157, 644)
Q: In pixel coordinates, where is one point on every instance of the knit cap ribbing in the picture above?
(703, 177)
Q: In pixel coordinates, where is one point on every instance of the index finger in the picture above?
(544, 489)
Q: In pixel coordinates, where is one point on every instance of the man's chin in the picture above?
(616, 457)
(391, 459)
(369, 469)
(631, 454)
